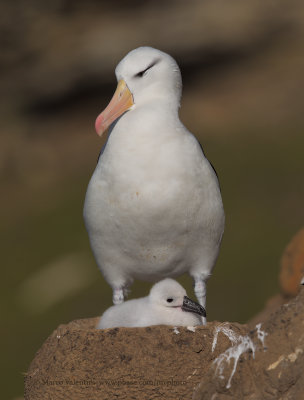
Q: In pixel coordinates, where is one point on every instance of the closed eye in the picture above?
(143, 72)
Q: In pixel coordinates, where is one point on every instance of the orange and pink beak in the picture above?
(121, 102)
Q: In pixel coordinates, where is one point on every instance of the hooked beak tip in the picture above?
(192, 306)
(98, 124)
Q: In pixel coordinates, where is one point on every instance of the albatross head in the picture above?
(144, 75)
(170, 294)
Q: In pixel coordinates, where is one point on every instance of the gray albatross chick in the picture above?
(167, 304)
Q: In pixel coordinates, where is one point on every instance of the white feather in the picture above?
(153, 207)
(152, 310)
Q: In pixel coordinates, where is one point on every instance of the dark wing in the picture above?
(211, 165)
(101, 151)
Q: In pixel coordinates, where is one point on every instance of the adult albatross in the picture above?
(153, 207)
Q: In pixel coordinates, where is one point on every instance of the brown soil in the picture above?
(292, 265)
(79, 362)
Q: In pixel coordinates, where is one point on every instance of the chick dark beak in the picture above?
(192, 306)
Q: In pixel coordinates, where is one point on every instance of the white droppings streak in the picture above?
(175, 330)
(226, 331)
(240, 345)
(261, 334)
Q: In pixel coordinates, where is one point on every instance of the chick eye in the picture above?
(169, 300)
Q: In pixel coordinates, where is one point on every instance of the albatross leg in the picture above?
(200, 293)
(118, 295)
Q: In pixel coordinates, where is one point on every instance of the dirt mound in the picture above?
(292, 266)
(219, 361)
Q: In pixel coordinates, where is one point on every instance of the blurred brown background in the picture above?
(242, 65)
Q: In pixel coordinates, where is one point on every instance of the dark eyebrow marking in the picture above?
(141, 73)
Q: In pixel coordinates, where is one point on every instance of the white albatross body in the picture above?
(153, 207)
(167, 304)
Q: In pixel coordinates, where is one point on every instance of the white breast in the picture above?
(153, 198)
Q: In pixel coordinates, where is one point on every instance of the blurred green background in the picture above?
(242, 65)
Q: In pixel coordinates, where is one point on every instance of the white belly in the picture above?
(153, 221)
